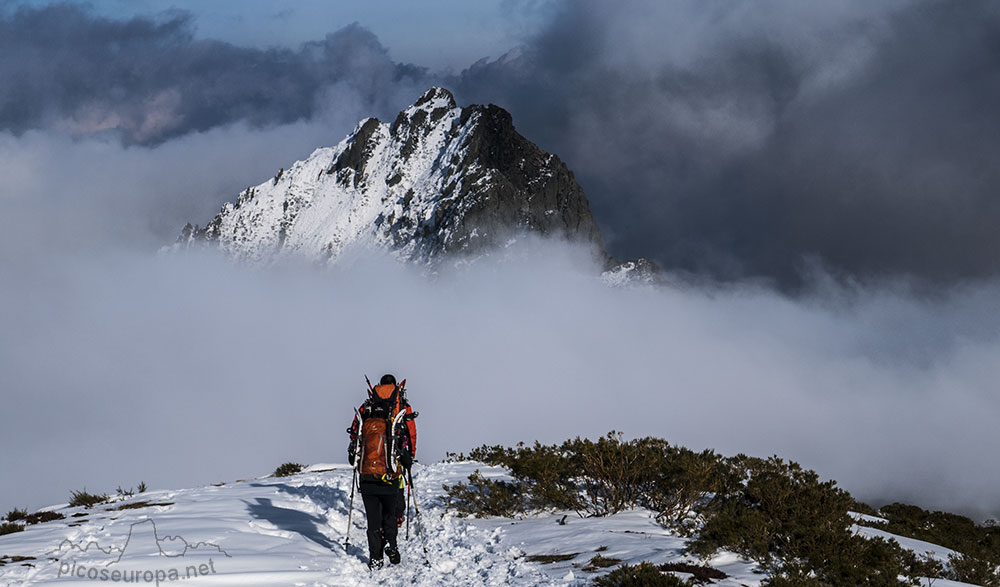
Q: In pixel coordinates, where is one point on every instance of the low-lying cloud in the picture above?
(96, 193)
(184, 369)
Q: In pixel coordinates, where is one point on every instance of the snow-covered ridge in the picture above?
(438, 181)
(292, 530)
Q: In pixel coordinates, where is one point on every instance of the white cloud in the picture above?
(182, 370)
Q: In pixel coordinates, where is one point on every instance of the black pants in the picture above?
(400, 507)
(381, 513)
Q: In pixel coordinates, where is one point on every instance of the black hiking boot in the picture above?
(375, 564)
(393, 554)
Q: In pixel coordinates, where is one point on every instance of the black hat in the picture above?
(387, 379)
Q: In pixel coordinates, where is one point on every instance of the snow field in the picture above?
(290, 531)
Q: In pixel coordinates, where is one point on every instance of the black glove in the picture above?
(406, 459)
(350, 453)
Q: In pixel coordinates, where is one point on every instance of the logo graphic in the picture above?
(144, 557)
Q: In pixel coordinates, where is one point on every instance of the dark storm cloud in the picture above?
(737, 139)
(151, 80)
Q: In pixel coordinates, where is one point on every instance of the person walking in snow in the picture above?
(383, 443)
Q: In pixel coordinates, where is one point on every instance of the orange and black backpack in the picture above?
(381, 412)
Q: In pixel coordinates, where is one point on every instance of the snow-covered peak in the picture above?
(439, 181)
(434, 99)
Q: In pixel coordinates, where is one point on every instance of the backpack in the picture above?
(377, 450)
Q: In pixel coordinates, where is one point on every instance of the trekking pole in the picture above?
(354, 477)
(408, 488)
(350, 511)
(420, 530)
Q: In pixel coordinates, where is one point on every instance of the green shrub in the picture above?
(135, 505)
(649, 472)
(682, 478)
(545, 474)
(700, 574)
(39, 517)
(796, 526)
(979, 545)
(769, 509)
(87, 500)
(548, 559)
(18, 515)
(920, 566)
(485, 497)
(288, 469)
(603, 477)
(863, 508)
(601, 562)
(131, 491)
(642, 575)
(15, 515)
(793, 578)
(10, 528)
(977, 571)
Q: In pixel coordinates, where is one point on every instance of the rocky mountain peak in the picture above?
(435, 98)
(440, 181)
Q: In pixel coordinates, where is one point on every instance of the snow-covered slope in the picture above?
(440, 180)
(291, 531)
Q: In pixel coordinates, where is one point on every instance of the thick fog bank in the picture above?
(183, 369)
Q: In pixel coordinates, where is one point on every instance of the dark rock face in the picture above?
(532, 189)
(503, 185)
(356, 155)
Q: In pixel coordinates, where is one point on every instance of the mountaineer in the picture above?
(383, 443)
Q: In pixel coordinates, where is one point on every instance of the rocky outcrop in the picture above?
(438, 182)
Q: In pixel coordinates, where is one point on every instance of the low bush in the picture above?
(39, 517)
(130, 492)
(543, 473)
(15, 515)
(977, 571)
(10, 528)
(775, 512)
(485, 497)
(288, 469)
(643, 574)
(135, 505)
(87, 500)
(548, 559)
(979, 544)
(601, 562)
(769, 509)
(700, 574)
(603, 477)
(798, 528)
